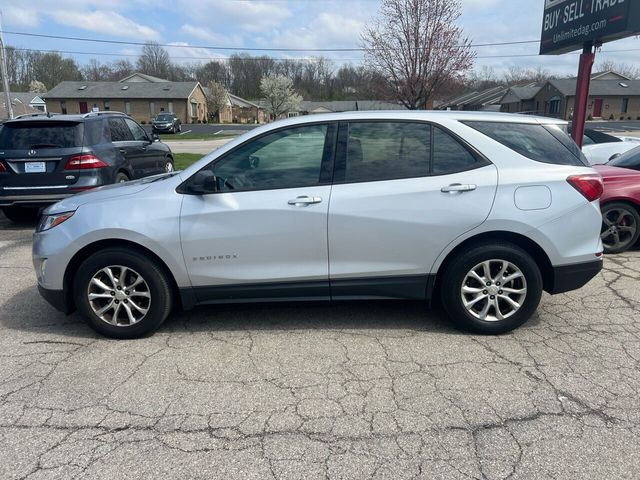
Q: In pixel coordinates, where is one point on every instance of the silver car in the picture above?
(481, 211)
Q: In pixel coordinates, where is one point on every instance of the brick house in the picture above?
(611, 96)
(239, 110)
(138, 95)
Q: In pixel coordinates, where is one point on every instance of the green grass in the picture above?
(183, 160)
(194, 136)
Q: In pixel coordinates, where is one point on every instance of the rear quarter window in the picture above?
(27, 135)
(542, 143)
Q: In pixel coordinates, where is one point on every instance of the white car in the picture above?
(601, 153)
(482, 211)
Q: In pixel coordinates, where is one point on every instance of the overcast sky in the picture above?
(271, 23)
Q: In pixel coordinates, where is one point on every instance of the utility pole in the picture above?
(3, 70)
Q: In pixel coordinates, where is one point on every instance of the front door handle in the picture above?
(458, 188)
(123, 151)
(304, 200)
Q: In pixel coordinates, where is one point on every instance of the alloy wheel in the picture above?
(119, 295)
(493, 290)
(168, 167)
(619, 228)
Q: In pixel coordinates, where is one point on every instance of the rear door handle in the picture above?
(458, 187)
(304, 200)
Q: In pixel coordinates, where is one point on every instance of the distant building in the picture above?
(611, 96)
(485, 100)
(140, 96)
(239, 110)
(22, 103)
(308, 107)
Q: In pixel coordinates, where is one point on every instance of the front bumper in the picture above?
(58, 299)
(162, 128)
(572, 277)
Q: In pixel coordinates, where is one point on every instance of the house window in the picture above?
(554, 105)
(127, 108)
(293, 114)
(194, 109)
(170, 107)
(625, 105)
(63, 107)
(152, 109)
(107, 106)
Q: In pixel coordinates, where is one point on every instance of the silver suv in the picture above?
(481, 211)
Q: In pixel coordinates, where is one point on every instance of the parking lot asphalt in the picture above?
(344, 391)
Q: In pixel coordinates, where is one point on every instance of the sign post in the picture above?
(569, 25)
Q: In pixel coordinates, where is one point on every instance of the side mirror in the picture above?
(155, 137)
(204, 182)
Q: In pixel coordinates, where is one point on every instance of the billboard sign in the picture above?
(568, 24)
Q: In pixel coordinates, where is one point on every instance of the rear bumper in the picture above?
(573, 277)
(58, 299)
(31, 200)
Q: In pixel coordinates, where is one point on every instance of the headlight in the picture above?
(47, 222)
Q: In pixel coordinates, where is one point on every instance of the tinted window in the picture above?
(449, 156)
(537, 142)
(285, 159)
(119, 130)
(630, 159)
(136, 130)
(164, 118)
(387, 151)
(26, 135)
(96, 132)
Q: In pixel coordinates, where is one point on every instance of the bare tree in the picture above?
(418, 48)
(515, 75)
(217, 98)
(279, 95)
(154, 60)
(622, 68)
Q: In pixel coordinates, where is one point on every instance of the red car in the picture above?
(620, 202)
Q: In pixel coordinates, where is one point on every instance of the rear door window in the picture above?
(450, 156)
(387, 150)
(542, 143)
(119, 130)
(40, 134)
(136, 130)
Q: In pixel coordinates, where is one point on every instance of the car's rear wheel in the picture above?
(620, 227)
(122, 293)
(491, 288)
(121, 177)
(168, 165)
(20, 214)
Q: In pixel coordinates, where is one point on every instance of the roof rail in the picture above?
(39, 114)
(107, 112)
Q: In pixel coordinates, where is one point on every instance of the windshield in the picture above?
(28, 135)
(164, 118)
(630, 159)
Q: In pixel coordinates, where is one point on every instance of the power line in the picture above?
(248, 49)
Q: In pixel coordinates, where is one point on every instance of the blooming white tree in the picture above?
(37, 87)
(279, 94)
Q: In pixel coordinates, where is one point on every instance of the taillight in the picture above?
(2, 167)
(83, 162)
(590, 186)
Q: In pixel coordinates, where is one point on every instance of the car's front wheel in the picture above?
(20, 214)
(491, 288)
(122, 293)
(620, 227)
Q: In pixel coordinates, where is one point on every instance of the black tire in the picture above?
(121, 177)
(455, 276)
(18, 214)
(629, 220)
(154, 276)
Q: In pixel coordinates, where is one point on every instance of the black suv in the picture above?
(44, 158)
(166, 122)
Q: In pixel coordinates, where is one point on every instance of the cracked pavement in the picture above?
(345, 391)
